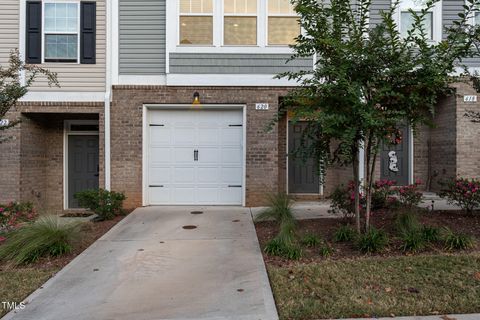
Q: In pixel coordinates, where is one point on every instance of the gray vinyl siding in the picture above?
(212, 63)
(451, 9)
(376, 8)
(142, 37)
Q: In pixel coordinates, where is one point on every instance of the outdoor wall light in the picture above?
(196, 98)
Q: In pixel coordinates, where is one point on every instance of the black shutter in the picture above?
(34, 32)
(88, 27)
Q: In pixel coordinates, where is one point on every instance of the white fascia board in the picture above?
(258, 80)
(64, 97)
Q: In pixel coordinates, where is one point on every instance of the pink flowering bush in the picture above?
(462, 192)
(410, 196)
(382, 195)
(14, 214)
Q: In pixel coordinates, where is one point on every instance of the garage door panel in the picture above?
(159, 175)
(207, 194)
(207, 174)
(159, 195)
(160, 136)
(231, 175)
(183, 155)
(183, 175)
(159, 155)
(231, 155)
(230, 195)
(184, 136)
(183, 194)
(208, 137)
(208, 155)
(232, 136)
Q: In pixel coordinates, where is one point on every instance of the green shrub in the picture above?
(413, 240)
(373, 240)
(310, 240)
(106, 204)
(278, 247)
(48, 236)
(409, 196)
(462, 192)
(430, 234)
(457, 241)
(406, 222)
(345, 234)
(326, 250)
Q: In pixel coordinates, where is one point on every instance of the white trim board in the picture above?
(145, 141)
(55, 96)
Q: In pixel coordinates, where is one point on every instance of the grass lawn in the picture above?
(16, 284)
(378, 286)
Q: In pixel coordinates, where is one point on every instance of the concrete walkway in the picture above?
(150, 267)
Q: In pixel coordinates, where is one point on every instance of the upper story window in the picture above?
(240, 22)
(283, 26)
(234, 23)
(432, 23)
(196, 22)
(61, 29)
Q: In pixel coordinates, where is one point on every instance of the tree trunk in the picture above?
(356, 181)
(372, 151)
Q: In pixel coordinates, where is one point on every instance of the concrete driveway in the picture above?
(150, 267)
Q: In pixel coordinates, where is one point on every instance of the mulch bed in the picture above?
(92, 232)
(325, 228)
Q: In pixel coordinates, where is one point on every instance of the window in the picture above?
(196, 22)
(477, 18)
(283, 26)
(240, 22)
(61, 29)
(432, 21)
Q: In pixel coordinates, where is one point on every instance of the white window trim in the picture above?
(77, 2)
(173, 33)
(437, 23)
(471, 17)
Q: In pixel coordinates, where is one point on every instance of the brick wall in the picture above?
(262, 146)
(32, 162)
(467, 135)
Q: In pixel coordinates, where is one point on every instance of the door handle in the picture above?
(195, 155)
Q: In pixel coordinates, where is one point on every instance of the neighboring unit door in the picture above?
(302, 173)
(395, 160)
(83, 165)
(195, 157)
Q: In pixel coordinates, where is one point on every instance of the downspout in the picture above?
(108, 94)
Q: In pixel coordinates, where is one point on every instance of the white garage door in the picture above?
(195, 157)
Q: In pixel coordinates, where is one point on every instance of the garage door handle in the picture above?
(156, 186)
(195, 155)
(234, 185)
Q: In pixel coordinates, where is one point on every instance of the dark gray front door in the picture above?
(82, 165)
(395, 160)
(302, 173)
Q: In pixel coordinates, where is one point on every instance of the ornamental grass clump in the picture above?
(462, 192)
(48, 236)
(280, 211)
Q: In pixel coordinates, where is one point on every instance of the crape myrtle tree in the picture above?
(368, 81)
(12, 87)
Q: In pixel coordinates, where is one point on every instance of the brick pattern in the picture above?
(262, 146)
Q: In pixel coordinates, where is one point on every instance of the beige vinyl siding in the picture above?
(9, 19)
(75, 77)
